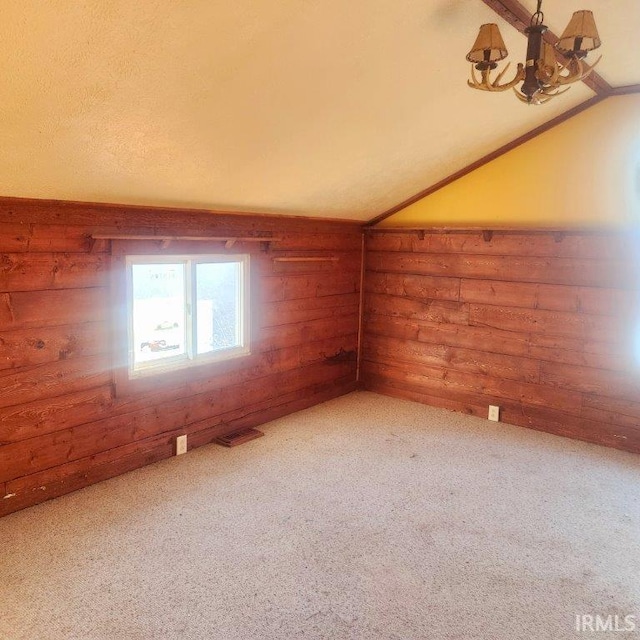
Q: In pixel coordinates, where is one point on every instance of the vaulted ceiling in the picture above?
(306, 107)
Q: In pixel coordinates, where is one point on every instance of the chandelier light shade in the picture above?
(580, 36)
(489, 47)
(547, 69)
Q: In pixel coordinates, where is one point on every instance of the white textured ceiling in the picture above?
(307, 107)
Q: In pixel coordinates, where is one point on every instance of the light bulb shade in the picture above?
(580, 36)
(547, 61)
(489, 46)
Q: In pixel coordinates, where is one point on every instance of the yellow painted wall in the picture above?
(585, 173)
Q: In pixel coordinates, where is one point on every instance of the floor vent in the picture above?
(240, 437)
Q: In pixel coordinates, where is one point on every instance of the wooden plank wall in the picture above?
(63, 425)
(545, 325)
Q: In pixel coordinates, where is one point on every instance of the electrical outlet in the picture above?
(181, 445)
(494, 413)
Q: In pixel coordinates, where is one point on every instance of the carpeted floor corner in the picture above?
(366, 517)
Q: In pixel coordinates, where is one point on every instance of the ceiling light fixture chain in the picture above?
(538, 16)
(542, 75)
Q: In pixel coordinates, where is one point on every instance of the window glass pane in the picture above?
(219, 317)
(159, 324)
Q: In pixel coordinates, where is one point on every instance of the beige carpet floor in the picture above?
(365, 517)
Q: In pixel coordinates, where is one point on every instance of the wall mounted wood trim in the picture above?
(165, 241)
(626, 91)
(306, 259)
(100, 236)
(496, 230)
(361, 306)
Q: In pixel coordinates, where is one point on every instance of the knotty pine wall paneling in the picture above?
(63, 423)
(544, 324)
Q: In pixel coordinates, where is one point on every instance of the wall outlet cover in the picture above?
(494, 413)
(181, 445)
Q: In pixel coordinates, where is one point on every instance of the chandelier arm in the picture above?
(550, 74)
(486, 84)
(589, 68)
(571, 76)
(483, 83)
(499, 77)
(553, 91)
(539, 98)
(581, 72)
(496, 86)
(474, 79)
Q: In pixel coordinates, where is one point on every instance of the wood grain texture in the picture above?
(38, 309)
(548, 270)
(31, 347)
(31, 419)
(53, 379)
(550, 323)
(598, 245)
(571, 299)
(413, 353)
(62, 423)
(300, 286)
(414, 286)
(36, 238)
(38, 271)
(36, 488)
(42, 452)
(101, 218)
(415, 309)
(541, 347)
(545, 325)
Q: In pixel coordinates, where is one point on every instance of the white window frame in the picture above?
(190, 358)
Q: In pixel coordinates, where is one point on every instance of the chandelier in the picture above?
(543, 77)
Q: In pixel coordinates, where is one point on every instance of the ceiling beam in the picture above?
(519, 17)
(627, 90)
(488, 158)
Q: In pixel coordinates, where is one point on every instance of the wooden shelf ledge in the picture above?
(165, 241)
(307, 259)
